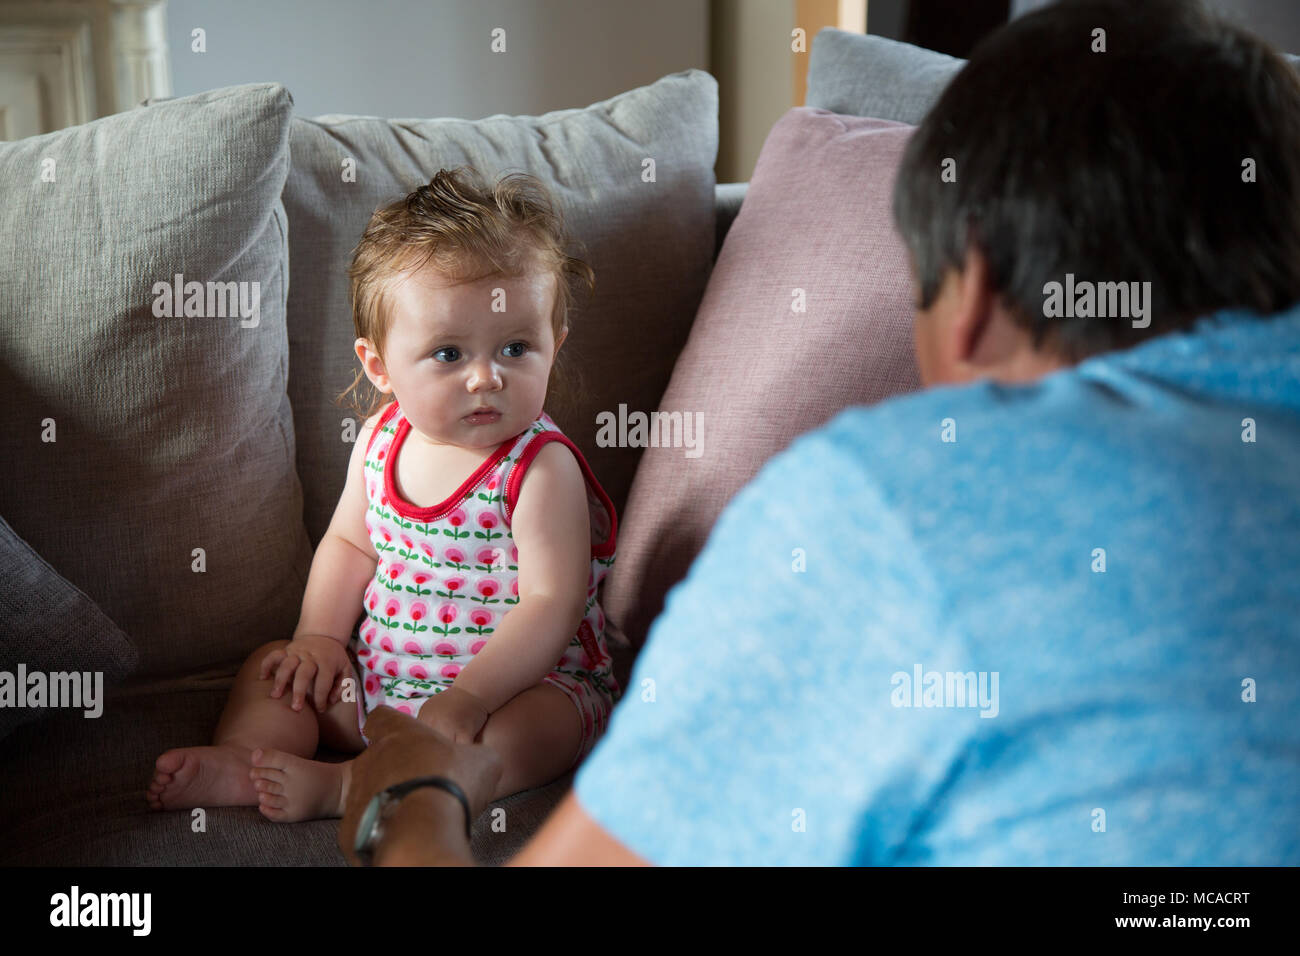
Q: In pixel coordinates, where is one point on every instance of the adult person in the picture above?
(1049, 610)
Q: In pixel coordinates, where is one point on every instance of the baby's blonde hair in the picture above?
(470, 232)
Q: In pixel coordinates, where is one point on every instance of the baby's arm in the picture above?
(344, 562)
(551, 528)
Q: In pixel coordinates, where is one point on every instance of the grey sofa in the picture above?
(169, 529)
(73, 788)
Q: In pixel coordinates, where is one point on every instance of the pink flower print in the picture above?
(487, 519)
(385, 534)
(427, 549)
(413, 647)
(477, 646)
(450, 670)
(421, 577)
(514, 587)
(453, 584)
(419, 671)
(447, 613)
(493, 482)
(363, 652)
(372, 684)
(456, 518)
(370, 532)
(404, 709)
(490, 557)
(455, 555)
(488, 587)
(386, 643)
(395, 570)
(591, 655)
(371, 663)
(408, 543)
(391, 668)
(447, 647)
(392, 608)
(383, 450)
(481, 616)
(418, 610)
(514, 554)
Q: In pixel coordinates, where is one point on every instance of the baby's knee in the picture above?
(254, 660)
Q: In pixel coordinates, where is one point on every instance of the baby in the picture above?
(457, 580)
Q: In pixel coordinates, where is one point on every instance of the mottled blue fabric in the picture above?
(764, 721)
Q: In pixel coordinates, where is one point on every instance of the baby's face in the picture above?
(449, 353)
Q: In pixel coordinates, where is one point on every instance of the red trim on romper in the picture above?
(379, 425)
(408, 510)
(517, 477)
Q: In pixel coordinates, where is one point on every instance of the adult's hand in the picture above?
(401, 748)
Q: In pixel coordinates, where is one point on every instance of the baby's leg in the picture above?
(219, 775)
(537, 734)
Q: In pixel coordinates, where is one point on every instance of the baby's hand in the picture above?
(455, 713)
(313, 661)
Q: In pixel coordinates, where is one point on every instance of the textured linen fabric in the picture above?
(82, 803)
(1146, 714)
(132, 439)
(50, 625)
(864, 75)
(814, 231)
(651, 245)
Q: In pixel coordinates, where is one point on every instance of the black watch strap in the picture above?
(399, 790)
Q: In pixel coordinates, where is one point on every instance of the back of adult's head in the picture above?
(1119, 141)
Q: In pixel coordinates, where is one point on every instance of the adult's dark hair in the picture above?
(1125, 165)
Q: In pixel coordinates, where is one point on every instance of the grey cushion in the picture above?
(863, 75)
(650, 244)
(48, 624)
(172, 433)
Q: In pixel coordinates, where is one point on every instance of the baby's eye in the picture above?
(522, 345)
(455, 354)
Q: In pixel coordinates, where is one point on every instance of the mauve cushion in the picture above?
(817, 217)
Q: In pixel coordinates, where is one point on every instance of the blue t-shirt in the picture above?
(1043, 624)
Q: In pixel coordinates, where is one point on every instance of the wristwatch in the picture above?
(382, 806)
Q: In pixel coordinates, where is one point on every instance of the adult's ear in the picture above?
(972, 342)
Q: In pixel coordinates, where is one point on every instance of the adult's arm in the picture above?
(761, 724)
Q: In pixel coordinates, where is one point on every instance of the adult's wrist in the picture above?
(427, 828)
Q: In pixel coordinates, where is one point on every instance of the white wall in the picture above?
(425, 58)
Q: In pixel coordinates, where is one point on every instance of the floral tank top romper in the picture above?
(447, 575)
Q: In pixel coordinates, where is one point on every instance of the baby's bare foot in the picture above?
(291, 788)
(201, 777)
